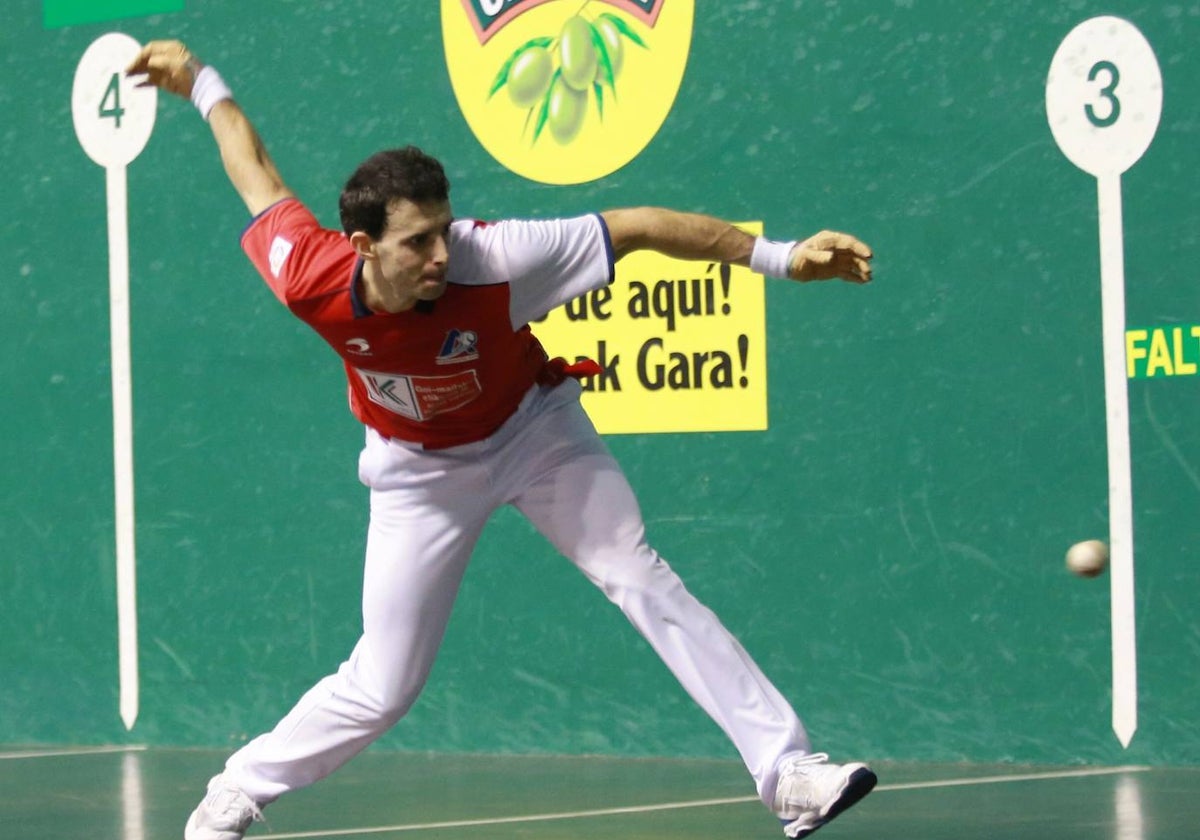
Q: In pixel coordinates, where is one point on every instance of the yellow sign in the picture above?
(682, 345)
(564, 91)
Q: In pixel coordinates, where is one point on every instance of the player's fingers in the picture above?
(166, 46)
(824, 241)
(159, 54)
(818, 256)
(837, 241)
(853, 268)
(169, 72)
(151, 78)
(854, 273)
(827, 265)
(857, 247)
(147, 68)
(138, 65)
(863, 269)
(142, 59)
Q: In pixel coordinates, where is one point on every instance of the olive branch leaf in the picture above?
(624, 28)
(605, 61)
(544, 110)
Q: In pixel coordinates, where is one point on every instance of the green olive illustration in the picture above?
(555, 78)
(565, 111)
(577, 53)
(611, 37)
(529, 76)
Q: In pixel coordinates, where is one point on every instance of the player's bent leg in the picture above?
(417, 550)
(581, 501)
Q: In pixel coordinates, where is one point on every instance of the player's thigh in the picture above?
(579, 498)
(422, 531)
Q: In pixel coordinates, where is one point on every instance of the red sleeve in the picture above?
(291, 250)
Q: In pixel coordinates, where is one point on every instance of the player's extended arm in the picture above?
(825, 256)
(171, 66)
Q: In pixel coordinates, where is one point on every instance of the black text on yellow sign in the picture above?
(682, 345)
(1162, 351)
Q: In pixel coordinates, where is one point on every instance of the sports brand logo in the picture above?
(459, 346)
(564, 92)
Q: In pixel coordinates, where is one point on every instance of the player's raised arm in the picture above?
(827, 255)
(169, 65)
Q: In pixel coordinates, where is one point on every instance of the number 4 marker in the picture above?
(1103, 101)
(110, 105)
(113, 121)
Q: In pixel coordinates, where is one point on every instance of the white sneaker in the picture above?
(224, 814)
(811, 791)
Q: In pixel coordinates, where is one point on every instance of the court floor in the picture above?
(132, 793)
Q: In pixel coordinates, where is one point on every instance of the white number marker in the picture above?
(1103, 101)
(113, 121)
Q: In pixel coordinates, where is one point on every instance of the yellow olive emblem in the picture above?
(566, 91)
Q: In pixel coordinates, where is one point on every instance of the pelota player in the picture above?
(464, 414)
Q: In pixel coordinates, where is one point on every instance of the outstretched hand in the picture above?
(830, 255)
(168, 65)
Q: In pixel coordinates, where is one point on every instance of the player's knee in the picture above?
(380, 700)
(638, 575)
(395, 701)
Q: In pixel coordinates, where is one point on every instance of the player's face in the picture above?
(414, 250)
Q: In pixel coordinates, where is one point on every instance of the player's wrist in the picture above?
(208, 88)
(771, 258)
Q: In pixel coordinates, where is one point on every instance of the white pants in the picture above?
(427, 511)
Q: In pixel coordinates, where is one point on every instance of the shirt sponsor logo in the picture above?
(280, 249)
(459, 346)
(420, 397)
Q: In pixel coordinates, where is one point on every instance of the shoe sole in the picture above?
(858, 784)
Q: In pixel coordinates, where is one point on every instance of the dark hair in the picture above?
(385, 177)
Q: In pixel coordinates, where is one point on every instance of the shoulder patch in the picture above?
(280, 249)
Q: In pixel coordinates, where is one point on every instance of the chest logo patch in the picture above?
(459, 346)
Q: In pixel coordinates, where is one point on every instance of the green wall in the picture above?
(890, 550)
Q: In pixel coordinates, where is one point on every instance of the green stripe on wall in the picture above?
(71, 12)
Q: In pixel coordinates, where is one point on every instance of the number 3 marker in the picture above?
(113, 120)
(1103, 102)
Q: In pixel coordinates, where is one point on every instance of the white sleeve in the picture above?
(546, 263)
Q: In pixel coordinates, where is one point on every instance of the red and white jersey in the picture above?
(447, 373)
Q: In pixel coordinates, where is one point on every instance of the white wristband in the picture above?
(208, 89)
(771, 258)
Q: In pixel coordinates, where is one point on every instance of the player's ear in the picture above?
(363, 245)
